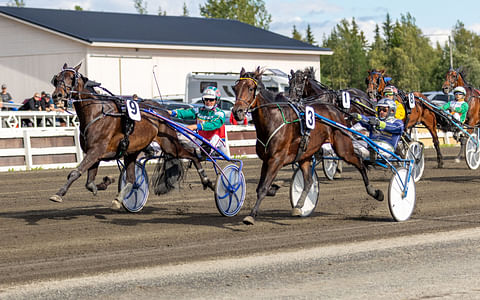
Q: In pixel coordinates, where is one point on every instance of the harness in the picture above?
(127, 124)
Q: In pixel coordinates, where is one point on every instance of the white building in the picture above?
(121, 50)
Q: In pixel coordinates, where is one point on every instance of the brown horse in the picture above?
(420, 114)
(455, 78)
(278, 136)
(103, 134)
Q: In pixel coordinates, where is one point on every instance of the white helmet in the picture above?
(460, 90)
(385, 102)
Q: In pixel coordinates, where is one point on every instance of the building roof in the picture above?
(106, 27)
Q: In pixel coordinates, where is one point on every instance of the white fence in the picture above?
(48, 145)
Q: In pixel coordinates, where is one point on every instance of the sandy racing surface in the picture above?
(42, 240)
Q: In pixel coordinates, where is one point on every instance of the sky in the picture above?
(435, 18)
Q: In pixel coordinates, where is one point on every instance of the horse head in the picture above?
(296, 81)
(375, 83)
(451, 81)
(67, 83)
(245, 92)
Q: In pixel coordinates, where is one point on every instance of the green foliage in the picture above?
(309, 38)
(295, 34)
(140, 6)
(400, 48)
(161, 12)
(16, 3)
(78, 8)
(252, 12)
(347, 66)
(186, 13)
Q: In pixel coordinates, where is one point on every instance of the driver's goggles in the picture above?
(388, 94)
(382, 108)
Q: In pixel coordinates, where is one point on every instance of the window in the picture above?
(226, 105)
(273, 89)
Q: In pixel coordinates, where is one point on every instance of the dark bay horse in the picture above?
(303, 85)
(102, 132)
(278, 136)
(455, 78)
(420, 114)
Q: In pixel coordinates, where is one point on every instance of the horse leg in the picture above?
(88, 161)
(206, 182)
(270, 169)
(306, 167)
(433, 132)
(129, 161)
(462, 149)
(91, 186)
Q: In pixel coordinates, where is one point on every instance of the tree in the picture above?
(347, 66)
(309, 36)
(252, 12)
(295, 34)
(161, 12)
(186, 13)
(17, 3)
(140, 6)
(78, 8)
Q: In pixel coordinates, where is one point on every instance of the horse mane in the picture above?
(266, 94)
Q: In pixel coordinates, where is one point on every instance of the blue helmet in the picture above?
(390, 104)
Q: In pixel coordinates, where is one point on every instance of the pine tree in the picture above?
(186, 13)
(140, 6)
(295, 34)
(252, 12)
(309, 36)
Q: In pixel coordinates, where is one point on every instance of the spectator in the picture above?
(234, 122)
(6, 97)
(47, 102)
(35, 103)
(135, 97)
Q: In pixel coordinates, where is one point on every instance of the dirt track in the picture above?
(44, 240)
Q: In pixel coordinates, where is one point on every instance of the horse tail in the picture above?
(167, 175)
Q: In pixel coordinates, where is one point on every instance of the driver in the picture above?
(210, 119)
(391, 92)
(384, 129)
(458, 108)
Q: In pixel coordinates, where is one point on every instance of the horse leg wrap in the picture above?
(205, 181)
(92, 188)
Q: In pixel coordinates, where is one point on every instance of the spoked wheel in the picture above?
(329, 167)
(136, 198)
(415, 153)
(296, 189)
(230, 191)
(401, 204)
(472, 152)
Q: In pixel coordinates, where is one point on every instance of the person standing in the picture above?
(5, 96)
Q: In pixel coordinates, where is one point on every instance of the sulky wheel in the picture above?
(329, 167)
(472, 152)
(401, 204)
(136, 198)
(415, 153)
(230, 191)
(296, 189)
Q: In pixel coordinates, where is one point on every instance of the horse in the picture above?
(104, 136)
(420, 114)
(303, 85)
(278, 136)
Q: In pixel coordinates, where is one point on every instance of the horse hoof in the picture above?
(56, 198)
(116, 205)
(379, 195)
(108, 180)
(296, 212)
(249, 220)
(457, 160)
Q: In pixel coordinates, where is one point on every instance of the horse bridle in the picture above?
(451, 83)
(304, 82)
(69, 89)
(249, 105)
